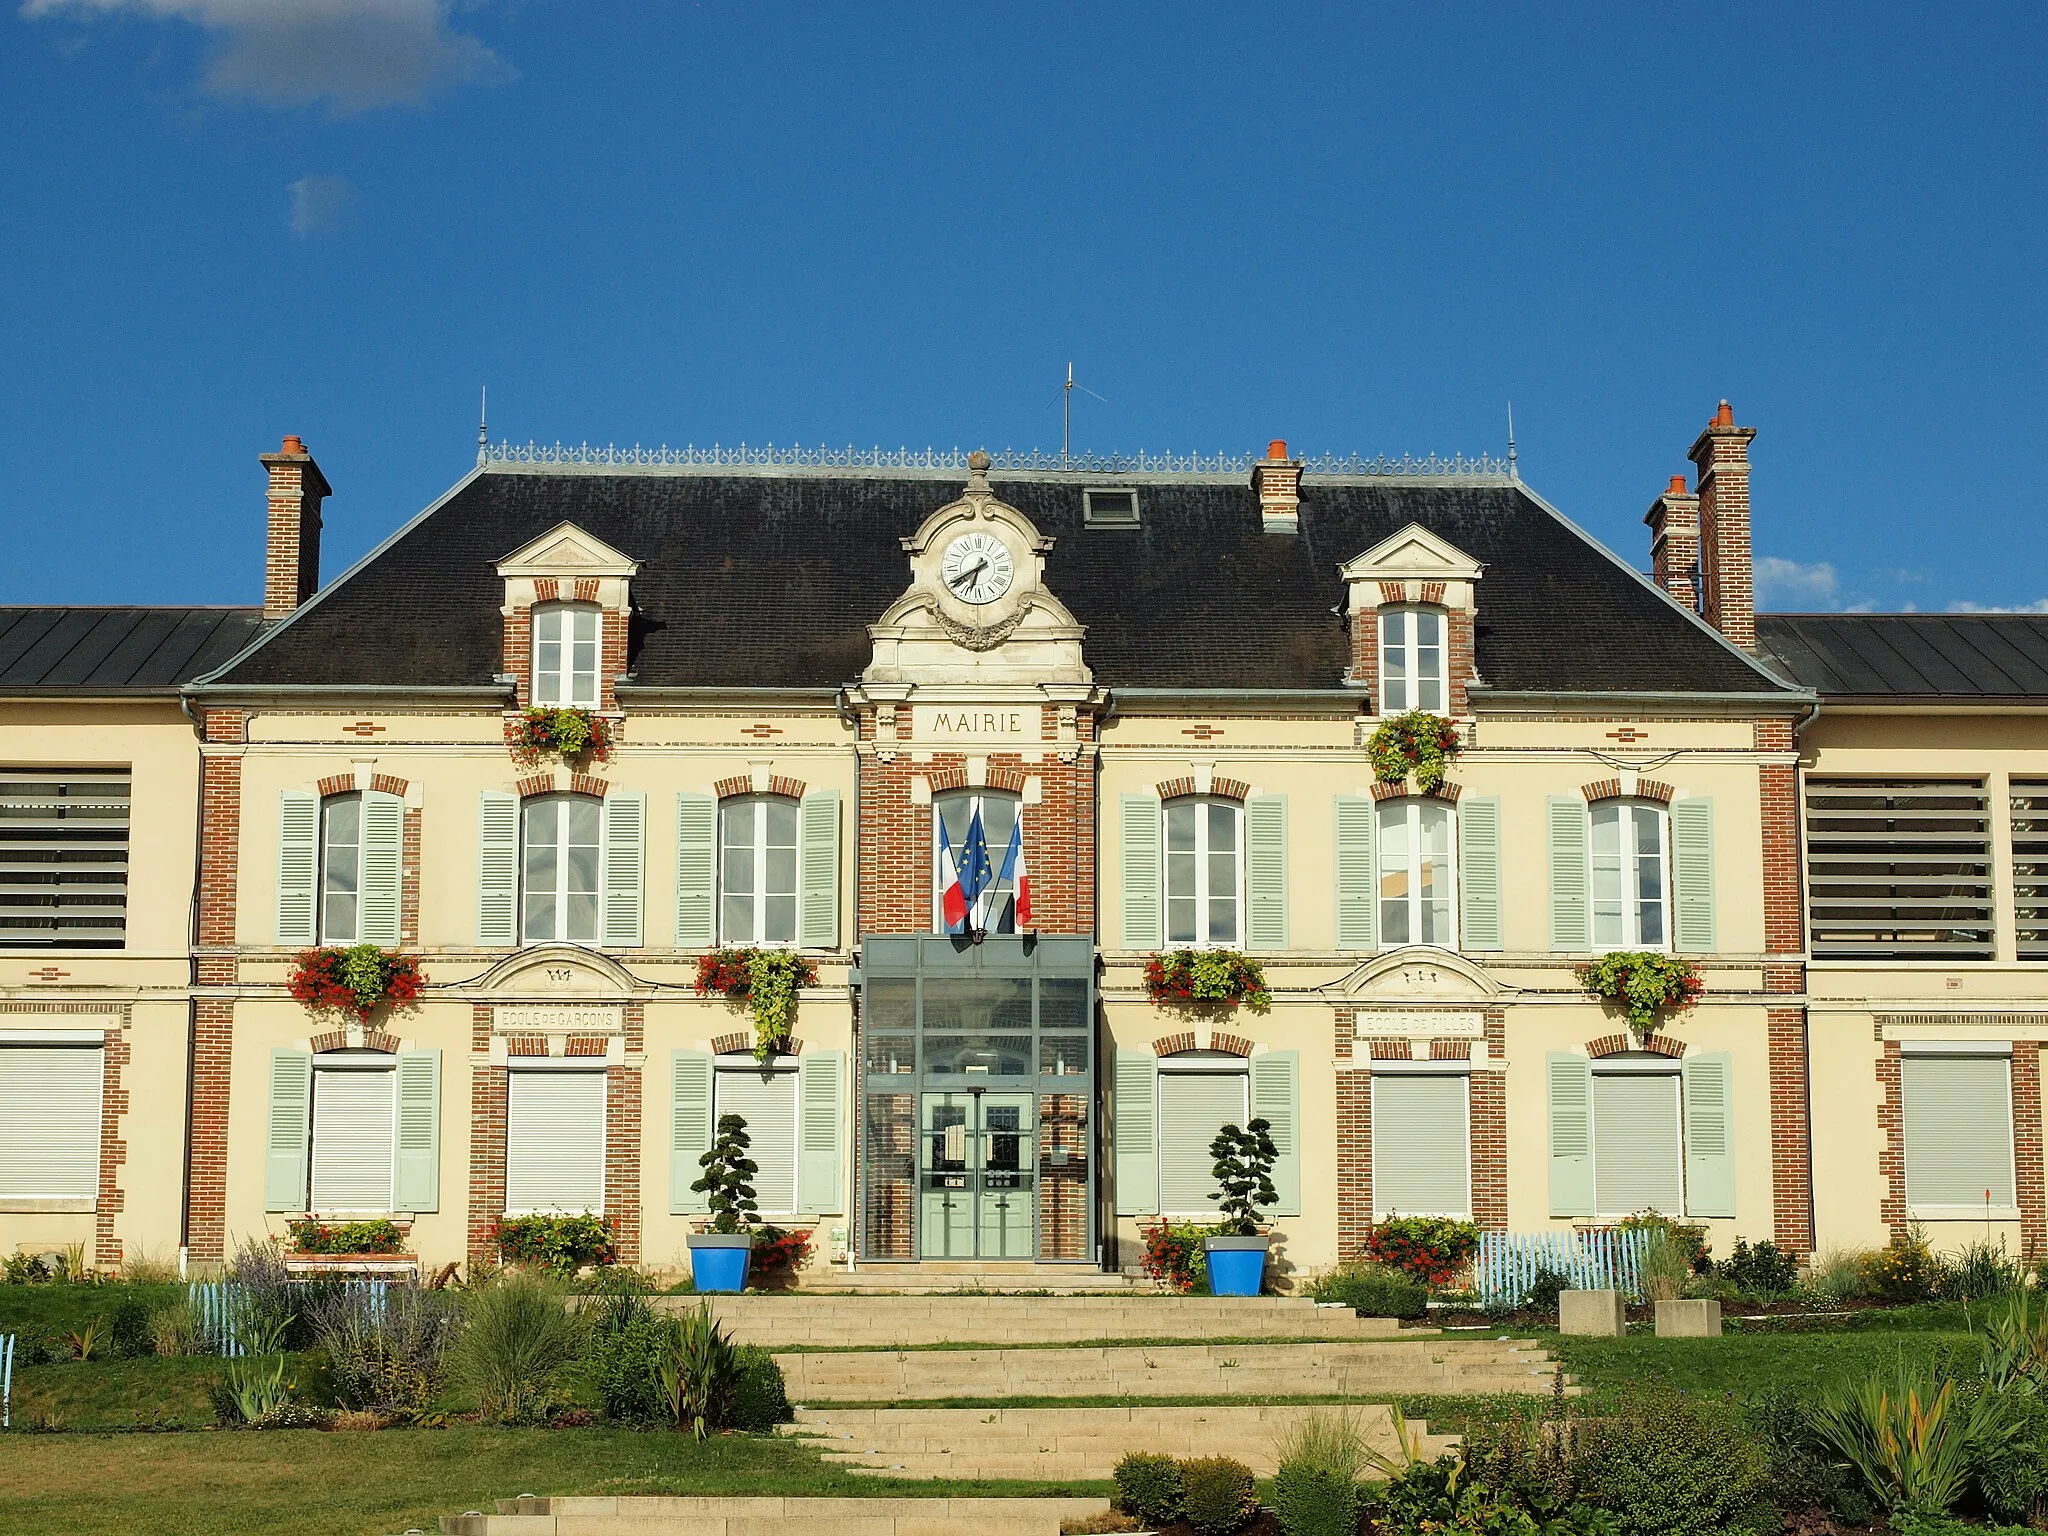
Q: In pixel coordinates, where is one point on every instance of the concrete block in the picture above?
(1688, 1319)
(1596, 1314)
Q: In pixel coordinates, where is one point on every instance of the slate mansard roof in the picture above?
(1911, 656)
(118, 650)
(770, 579)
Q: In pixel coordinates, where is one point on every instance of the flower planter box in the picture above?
(1237, 1265)
(719, 1260)
(370, 1266)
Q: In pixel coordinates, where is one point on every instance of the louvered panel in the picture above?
(2030, 866)
(1899, 869)
(497, 892)
(63, 858)
(1421, 1158)
(1265, 818)
(767, 1102)
(1958, 1131)
(50, 1122)
(1193, 1107)
(1637, 1162)
(352, 1139)
(382, 869)
(1357, 883)
(554, 1142)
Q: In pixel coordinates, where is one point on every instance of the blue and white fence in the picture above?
(1508, 1262)
(221, 1312)
(6, 1380)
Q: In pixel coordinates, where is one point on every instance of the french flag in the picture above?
(953, 903)
(1020, 882)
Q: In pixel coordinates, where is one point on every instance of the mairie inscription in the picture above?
(973, 722)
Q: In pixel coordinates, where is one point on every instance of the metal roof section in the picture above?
(90, 650)
(1911, 655)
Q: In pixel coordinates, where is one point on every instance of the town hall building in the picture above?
(980, 739)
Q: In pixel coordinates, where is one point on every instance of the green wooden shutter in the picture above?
(689, 1130)
(1276, 1097)
(821, 1115)
(1144, 925)
(696, 871)
(1358, 907)
(818, 875)
(1571, 899)
(497, 877)
(291, 1112)
(383, 867)
(298, 866)
(1571, 1134)
(1692, 874)
(1134, 1122)
(1479, 873)
(625, 870)
(418, 1182)
(1709, 1135)
(1265, 875)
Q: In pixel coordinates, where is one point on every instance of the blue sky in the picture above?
(1359, 228)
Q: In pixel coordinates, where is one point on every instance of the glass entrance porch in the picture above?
(977, 1083)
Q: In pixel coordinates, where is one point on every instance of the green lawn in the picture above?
(65, 1308)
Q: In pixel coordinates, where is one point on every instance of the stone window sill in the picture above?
(34, 1207)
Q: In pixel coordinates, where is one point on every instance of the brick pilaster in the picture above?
(1489, 1150)
(1785, 975)
(220, 824)
(488, 1092)
(622, 1158)
(2026, 1149)
(1891, 1119)
(113, 1148)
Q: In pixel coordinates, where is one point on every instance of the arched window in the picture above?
(1631, 843)
(757, 870)
(565, 656)
(1412, 667)
(341, 869)
(559, 867)
(1204, 871)
(977, 839)
(1417, 874)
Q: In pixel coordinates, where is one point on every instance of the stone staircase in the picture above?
(995, 1275)
(657, 1516)
(1070, 1443)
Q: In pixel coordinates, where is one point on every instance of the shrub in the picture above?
(1315, 1491)
(1175, 1257)
(563, 1244)
(1804, 1472)
(129, 1328)
(623, 1365)
(1690, 1237)
(1545, 1286)
(26, 1269)
(1243, 1171)
(728, 1181)
(1838, 1274)
(2012, 1474)
(696, 1368)
(1980, 1270)
(1759, 1271)
(1903, 1271)
(1664, 1270)
(1913, 1439)
(760, 1395)
(1219, 1496)
(1371, 1291)
(1433, 1249)
(518, 1340)
(390, 1359)
(1665, 1463)
(1149, 1487)
(2014, 1346)
(172, 1330)
(143, 1267)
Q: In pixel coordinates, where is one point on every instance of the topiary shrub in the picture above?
(1149, 1487)
(1669, 1465)
(760, 1395)
(1372, 1291)
(1219, 1496)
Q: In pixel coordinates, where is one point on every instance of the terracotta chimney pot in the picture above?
(293, 444)
(1277, 449)
(1725, 416)
(1678, 485)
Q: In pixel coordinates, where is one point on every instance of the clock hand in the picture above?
(967, 576)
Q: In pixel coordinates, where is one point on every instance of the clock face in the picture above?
(977, 568)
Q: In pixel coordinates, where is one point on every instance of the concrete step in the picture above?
(993, 1276)
(1344, 1369)
(710, 1516)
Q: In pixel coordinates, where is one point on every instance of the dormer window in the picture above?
(1110, 509)
(565, 652)
(1412, 672)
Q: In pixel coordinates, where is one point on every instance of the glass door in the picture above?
(976, 1176)
(1005, 1206)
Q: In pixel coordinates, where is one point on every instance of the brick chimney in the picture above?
(1278, 481)
(1674, 520)
(1727, 580)
(291, 552)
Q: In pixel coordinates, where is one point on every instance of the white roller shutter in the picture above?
(352, 1138)
(1421, 1144)
(1637, 1162)
(50, 1122)
(1958, 1131)
(767, 1102)
(554, 1142)
(1193, 1106)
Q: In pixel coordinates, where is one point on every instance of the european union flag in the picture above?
(976, 868)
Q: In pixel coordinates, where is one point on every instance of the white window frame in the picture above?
(562, 891)
(334, 1065)
(1911, 1050)
(82, 1041)
(1192, 1064)
(756, 850)
(1402, 687)
(1662, 1067)
(1628, 870)
(561, 626)
(1203, 894)
(995, 900)
(744, 1064)
(1390, 1071)
(330, 932)
(1414, 806)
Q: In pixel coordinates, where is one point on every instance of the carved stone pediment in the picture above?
(1407, 560)
(560, 971)
(1422, 977)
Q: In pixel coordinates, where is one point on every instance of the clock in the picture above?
(977, 568)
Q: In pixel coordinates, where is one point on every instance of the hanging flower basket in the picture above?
(570, 734)
(1419, 744)
(1195, 978)
(355, 980)
(765, 979)
(1644, 982)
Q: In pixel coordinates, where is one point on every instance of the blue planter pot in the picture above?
(718, 1262)
(1237, 1265)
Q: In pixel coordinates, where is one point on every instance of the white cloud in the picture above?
(2039, 605)
(351, 54)
(1781, 582)
(322, 205)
